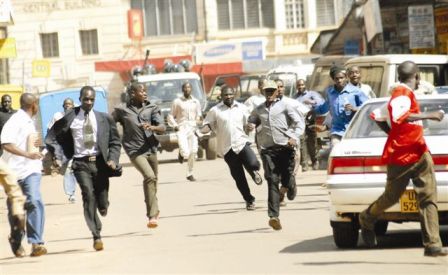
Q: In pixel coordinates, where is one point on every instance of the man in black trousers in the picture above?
(91, 139)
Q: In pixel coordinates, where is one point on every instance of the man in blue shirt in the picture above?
(342, 101)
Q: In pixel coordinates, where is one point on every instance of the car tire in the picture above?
(381, 228)
(210, 152)
(345, 234)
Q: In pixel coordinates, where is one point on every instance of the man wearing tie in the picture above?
(91, 139)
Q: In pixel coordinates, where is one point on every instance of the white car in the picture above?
(356, 176)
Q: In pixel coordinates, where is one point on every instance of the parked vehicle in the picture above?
(357, 177)
(442, 89)
(290, 74)
(162, 89)
(51, 102)
(380, 71)
(244, 85)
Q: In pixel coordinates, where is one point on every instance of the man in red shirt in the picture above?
(407, 157)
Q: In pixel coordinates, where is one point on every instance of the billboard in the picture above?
(230, 51)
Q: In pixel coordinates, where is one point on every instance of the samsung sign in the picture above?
(230, 52)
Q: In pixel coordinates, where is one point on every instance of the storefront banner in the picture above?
(41, 68)
(8, 48)
(421, 27)
(223, 52)
(372, 19)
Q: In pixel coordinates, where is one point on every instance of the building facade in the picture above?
(64, 43)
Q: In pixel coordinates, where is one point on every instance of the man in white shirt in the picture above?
(21, 152)
(185, 114)
(228, 120)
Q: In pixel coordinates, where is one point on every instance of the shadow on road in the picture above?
(129, 234)
(363, 262)
(210, 212)
(257, 230)
(392, 240)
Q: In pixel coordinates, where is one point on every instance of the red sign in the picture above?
(135, 24)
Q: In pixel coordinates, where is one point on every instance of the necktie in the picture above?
(88, 135)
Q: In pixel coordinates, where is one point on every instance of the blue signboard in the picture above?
(351, 47)
(51, 102)
(252, 50)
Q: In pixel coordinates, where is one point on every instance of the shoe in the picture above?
(180, 158)
(283, 203)
(103, 212)
(282, 193)
(369, 237)
(275, 223)
(305, 168)
(436, 251)
(16, 247)
(292, 192)
(98, 244)
(191, 178)
(250, 206)
(154, 221)
(257, 178)
(72, 199)
(316, 165)
(38, 250)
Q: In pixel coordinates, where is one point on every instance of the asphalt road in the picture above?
(205, 229)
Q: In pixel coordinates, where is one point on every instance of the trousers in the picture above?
(237, 162)
(188, 144)
(423, 178)
(147, 165)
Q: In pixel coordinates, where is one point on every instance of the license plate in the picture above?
(408, 202)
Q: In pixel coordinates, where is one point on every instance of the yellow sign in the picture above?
(8, 48)
(41, 68)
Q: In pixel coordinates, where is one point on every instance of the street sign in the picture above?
(41, 68)
(8, 48)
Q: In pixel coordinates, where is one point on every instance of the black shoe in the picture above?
(257, 178)
(180, 158)
(103, 212)
(436, 251)
(191, 178)
(292, 192)
(250, 206)
(369, 237)
(16, 247)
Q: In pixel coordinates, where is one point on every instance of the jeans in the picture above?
(69, 180)
(245, 158)
(94, 183)
(35, 211)
(278, 165)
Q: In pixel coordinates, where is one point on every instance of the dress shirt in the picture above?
(310, 95)
(77, 128)
(365, 88)
(254, 101)
(229, 123)
(16, 131)
(57, 116)
(335, 103)
(277, 123)
(185, 111)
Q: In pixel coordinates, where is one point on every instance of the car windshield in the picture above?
(363, 126)
(168, 90)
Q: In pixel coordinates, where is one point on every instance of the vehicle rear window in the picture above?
(168, 90)
(373, 76)
(363, 126)
(321, 79)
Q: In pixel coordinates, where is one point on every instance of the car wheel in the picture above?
(345, 234)
(381, 228)
(210, 152)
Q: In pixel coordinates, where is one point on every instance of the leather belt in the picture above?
(86, 159)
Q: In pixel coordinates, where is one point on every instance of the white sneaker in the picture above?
(72, 199)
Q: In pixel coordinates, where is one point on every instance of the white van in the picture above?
(380, 71)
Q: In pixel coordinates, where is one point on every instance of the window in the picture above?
(89, 42)
(372, 75)
(167, 17)
(50, 45)
(294, 14)
(325, 13)
(245, 14)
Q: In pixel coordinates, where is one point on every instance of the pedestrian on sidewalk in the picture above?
(69, 181)
(21, 153)
(184, 117)
(407, 157)
(228, 120)
(278, 127)
(140, 120)
(6, 111)
(16, 212)
(91, 139)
